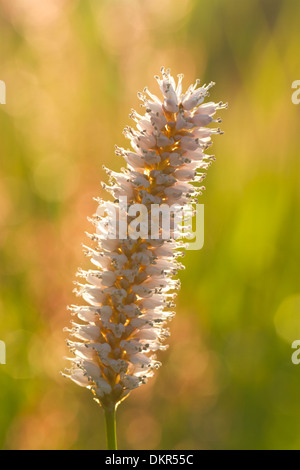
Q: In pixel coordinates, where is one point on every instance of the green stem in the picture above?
(110, 422)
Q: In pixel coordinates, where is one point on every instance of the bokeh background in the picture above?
(72, 70)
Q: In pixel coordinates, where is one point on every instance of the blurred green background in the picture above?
(72, 70)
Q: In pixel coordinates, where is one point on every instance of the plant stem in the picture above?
(110, 422)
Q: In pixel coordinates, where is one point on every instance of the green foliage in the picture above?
(72, 75)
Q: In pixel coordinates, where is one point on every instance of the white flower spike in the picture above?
(129, 296)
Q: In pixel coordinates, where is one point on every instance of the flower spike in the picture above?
(129, 295)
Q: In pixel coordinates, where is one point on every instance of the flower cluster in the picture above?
(130, 294)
